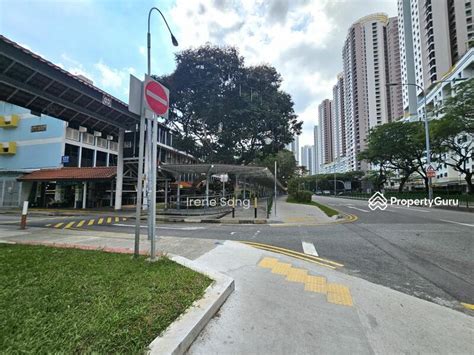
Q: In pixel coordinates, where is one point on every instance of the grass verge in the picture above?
(76, 301)
(326, 209)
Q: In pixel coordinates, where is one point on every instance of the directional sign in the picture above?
(156, 96)
(430, 172)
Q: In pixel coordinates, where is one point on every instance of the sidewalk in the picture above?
(283, 305)
(295, 213)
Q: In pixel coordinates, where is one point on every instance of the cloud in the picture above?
(303, 39)
(112, 79)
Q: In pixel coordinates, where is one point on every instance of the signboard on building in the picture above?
(38, 128)
(107, 101)
(65, 159)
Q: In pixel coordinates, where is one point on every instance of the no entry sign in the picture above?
(156, 96)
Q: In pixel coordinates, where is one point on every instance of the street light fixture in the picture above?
(427, 130)
(152, 142)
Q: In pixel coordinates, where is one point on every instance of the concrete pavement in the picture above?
(284, 305)
(297, 214)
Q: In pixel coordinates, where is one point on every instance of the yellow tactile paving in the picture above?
(316, 284)
(339, 294)
(335, 293)
(281, 268)
(268, 263)
(297, 275)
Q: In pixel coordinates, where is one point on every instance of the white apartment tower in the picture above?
(433, 34)
(307, 152)
(338, 118)
(295, 148)
(316, 150)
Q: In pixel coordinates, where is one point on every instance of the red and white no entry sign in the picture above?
(156, 96)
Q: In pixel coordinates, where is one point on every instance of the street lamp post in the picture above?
(152, 142)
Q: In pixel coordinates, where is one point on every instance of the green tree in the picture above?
(226, 112)
(453, 135)
(400, 147)
(286, 164)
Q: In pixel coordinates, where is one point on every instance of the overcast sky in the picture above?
(105, 40)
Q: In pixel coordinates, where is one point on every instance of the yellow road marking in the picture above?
(124, 219)
(278, 249)
(117, 219)
(81, 223)
(48, 225)
(101, 220)
(293, 256)
(91, 222)
(58, 225)
(109, 220)
(468, 306)
(69, 225)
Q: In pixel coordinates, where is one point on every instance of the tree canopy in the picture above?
(225, 111)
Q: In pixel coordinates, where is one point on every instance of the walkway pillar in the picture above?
(178, 193)
(119, 182)
(84, 195)
(207, 190)
(166, 194)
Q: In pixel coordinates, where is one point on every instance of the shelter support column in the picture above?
(84, 195)
(119, 182)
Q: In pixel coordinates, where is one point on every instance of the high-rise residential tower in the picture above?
(295, 148)
(316, 149)
(338, 118)
(307, 152)
(433, 34)
(366, 72)
(326, 126)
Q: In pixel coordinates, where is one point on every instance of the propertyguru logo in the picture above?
(379, 202)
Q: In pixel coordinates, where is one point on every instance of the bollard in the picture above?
(24, 212)
(255, 204)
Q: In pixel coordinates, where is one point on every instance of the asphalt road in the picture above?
(423, 252)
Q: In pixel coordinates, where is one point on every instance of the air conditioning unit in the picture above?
(97, 134)
(8, 148)
(110, 138)
(82, 129)
(9, 121)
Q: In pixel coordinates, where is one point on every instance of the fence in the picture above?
(465, 201)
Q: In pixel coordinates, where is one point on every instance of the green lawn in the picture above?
(75, 301)
(326, 209)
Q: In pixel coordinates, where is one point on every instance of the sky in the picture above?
(105, 40)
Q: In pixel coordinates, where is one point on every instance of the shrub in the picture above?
(301, 196)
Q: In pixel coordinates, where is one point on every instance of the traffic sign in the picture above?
(156, 96)
(430, 171)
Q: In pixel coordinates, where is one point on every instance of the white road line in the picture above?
(462, 224)
(168, 228)
(309, 248)
(358, 209)
(411, 209)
